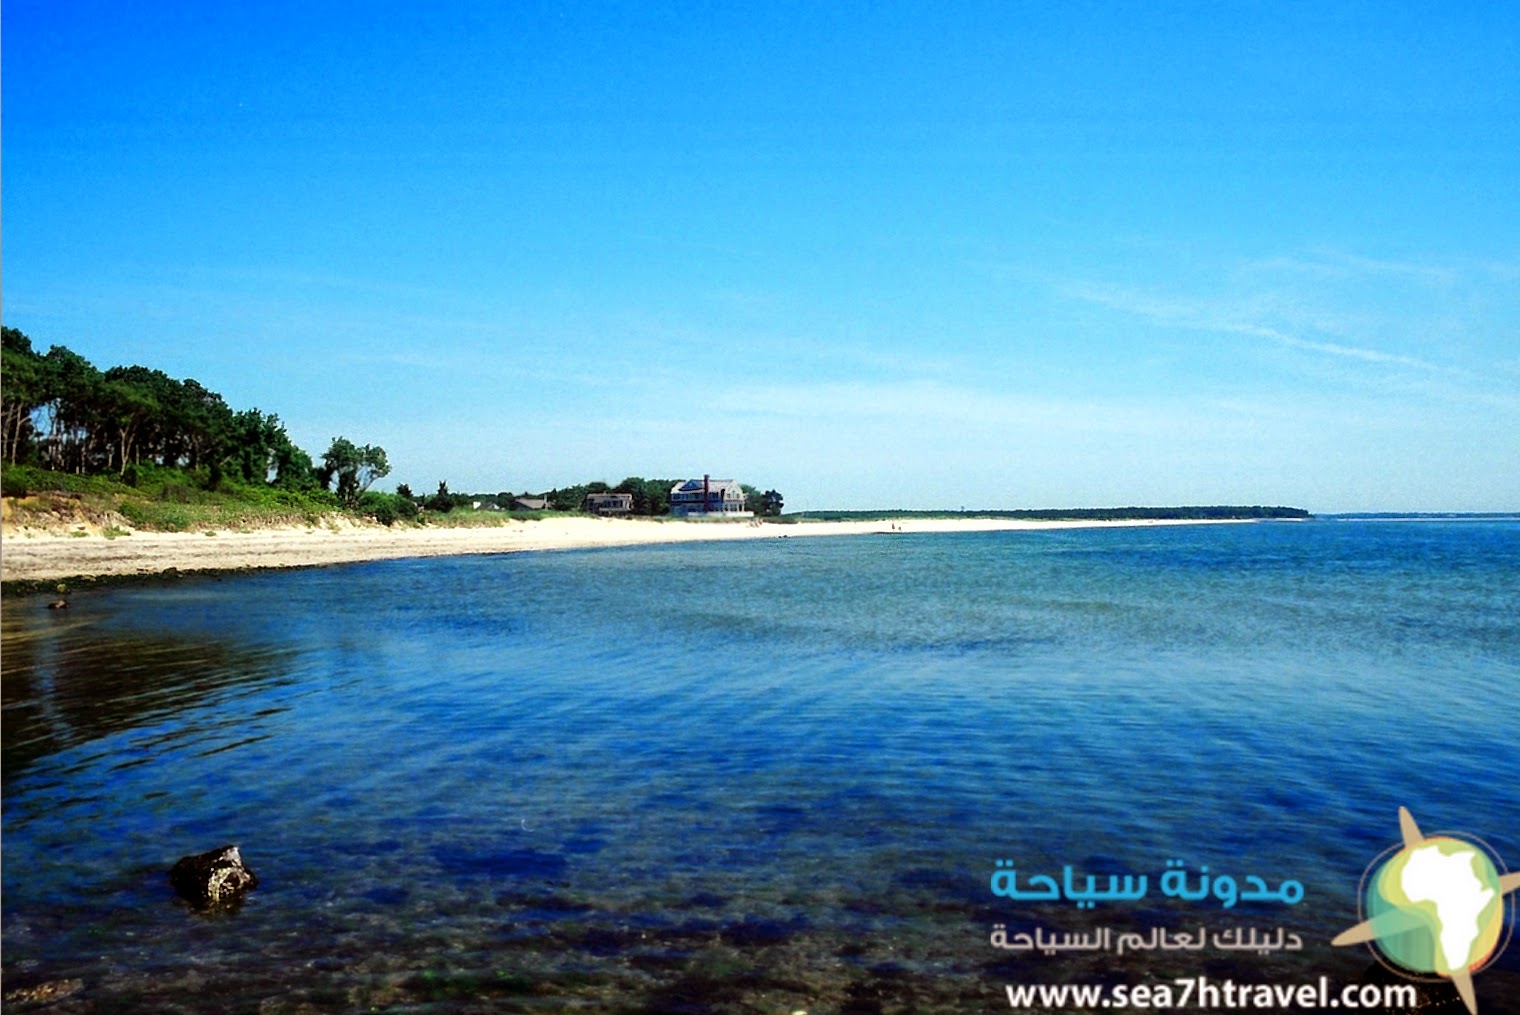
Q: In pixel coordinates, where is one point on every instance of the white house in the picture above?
(708, 498)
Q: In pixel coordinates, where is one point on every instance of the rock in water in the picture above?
(53, 990)
(217, 878)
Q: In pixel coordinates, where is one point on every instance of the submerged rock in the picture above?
(217, 878)
(53, 990)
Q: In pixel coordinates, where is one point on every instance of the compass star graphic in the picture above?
(1435, 906)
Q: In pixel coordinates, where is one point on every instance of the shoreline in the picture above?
(34, 555)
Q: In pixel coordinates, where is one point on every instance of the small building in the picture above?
(609, 503)
(530, 504)
(708, 498)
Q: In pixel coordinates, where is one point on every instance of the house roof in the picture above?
(714, 485)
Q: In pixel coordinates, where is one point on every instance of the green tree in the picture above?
(125, 403)
(634, 485)
(354, 468)
(251, 456)
(568, 499)
(293, 467)
(207, 428)
(21, 394)
(69, 386)
(158, 430)
(764, 505)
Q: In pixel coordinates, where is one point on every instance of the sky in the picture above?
(871, 255)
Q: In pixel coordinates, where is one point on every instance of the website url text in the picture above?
(1201, 992)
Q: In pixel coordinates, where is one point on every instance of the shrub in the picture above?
(386, 508)
(173, 519)
(13, 484)
(175, 493)
(134, 512)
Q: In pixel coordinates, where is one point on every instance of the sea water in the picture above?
(765, 776)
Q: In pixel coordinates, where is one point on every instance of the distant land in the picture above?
(1113, 514)
(1395, 516)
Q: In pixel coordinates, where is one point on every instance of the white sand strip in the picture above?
(27, 555)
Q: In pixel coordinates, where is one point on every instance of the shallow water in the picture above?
(758, 776)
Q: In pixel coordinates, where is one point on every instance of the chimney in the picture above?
(706, 493)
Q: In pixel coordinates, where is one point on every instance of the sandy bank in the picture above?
(33, 555)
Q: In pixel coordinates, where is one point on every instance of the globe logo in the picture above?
(1447, 893)
(1435, 906)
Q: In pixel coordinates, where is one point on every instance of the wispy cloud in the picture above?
(1246, 315)
(1330, 348)
(1336, 264)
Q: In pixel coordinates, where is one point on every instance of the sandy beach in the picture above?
(42, 555)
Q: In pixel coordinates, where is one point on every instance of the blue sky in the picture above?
(872, 255)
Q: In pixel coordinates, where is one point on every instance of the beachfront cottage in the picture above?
(609, 503)
(708, 498)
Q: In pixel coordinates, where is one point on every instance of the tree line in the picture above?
(59, 411)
